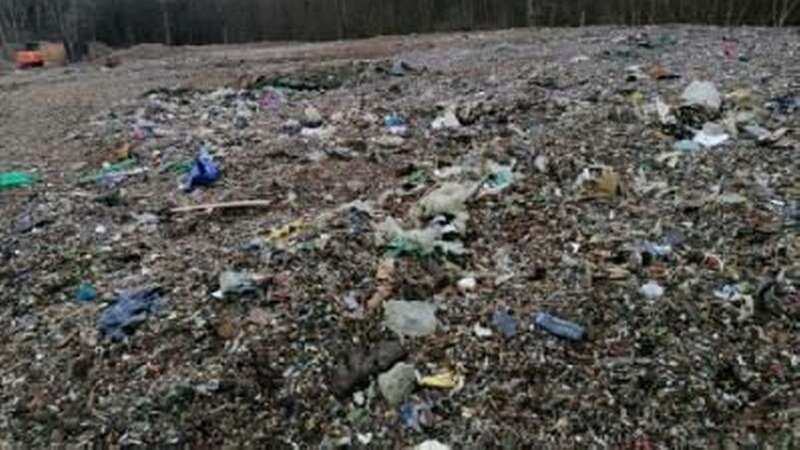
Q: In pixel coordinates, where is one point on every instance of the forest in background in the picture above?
(194, 22)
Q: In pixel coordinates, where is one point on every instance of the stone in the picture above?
(413, 319)
(398, 383)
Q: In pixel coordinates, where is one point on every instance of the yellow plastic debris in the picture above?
(442, 380)
(281, 237)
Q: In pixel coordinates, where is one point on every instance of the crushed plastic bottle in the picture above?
(559, 327)
(9, 180)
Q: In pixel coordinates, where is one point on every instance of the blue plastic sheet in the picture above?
(130, 310)
(204, 171)
(505, 324)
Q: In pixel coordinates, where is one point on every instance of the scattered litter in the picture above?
(712, 135)
(442, 380)
(9, 180)
(432, 445)
(559, 327)
(86, 293)
(702, 94)
(504, 323)
(204, 172)
(128, 312)
(652, 290)
(599, 181)
(686, 146)
(281, 238)
(236, 283)
(395, 124)
(466, 285)
(450, 198)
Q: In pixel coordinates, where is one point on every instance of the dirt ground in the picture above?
(681, 265)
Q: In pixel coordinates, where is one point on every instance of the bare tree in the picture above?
(13, 17)
(782, 10)
(165, 4)
(68, 17)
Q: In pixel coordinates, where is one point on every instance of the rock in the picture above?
(414, 319)
(292, 126)
(398, 383)
(390, 141)
(448, 120)
(652, 290)
(703, 94)
(312, 118)
(400, 68)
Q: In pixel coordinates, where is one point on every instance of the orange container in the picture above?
(27, 59)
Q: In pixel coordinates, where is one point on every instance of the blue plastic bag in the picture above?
(505, 324)
(130, 310)
(204, 171)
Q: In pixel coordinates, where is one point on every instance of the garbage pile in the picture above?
(497, 243)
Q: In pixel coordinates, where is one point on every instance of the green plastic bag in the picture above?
(10, 180)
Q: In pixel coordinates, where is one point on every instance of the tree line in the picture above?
(183, 22)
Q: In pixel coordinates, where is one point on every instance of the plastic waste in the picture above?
(654, 250)
(686, 146)
(711, 135)
(130, 310)
(414, 319)
(703, 94)
(500, 179)
(271, 100)
(559, 327)
(432, 445)
(409, 415)
(204, 171)
(442, 380)
(395, 124)
(235, 283)
(505, 324)
(450, 198)
(729, 292)
(481, 331)
(10, 180)
(652, 290)
(86, 293)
